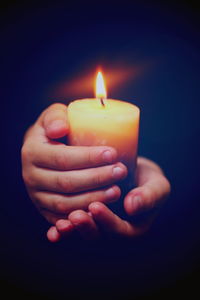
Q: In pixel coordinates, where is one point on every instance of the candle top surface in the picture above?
(111, 107)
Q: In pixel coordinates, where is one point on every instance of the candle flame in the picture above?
(100, 87)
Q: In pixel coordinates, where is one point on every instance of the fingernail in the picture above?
(63, 225)
(107, 156)
(56, 124)
(136, 203)
(118, 172)
(110, 193)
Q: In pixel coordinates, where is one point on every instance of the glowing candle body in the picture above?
(114, 124)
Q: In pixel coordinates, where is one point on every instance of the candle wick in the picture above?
(102, 102)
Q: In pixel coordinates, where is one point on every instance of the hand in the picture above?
(60, 178)
(151, 191)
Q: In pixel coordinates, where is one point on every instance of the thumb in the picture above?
(153, 188)
(147, 197)
(55, 121)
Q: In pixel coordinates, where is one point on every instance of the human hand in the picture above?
(151, 191)
(61, 179)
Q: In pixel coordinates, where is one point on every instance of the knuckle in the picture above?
(25, 153)
(60, 205)
(24, 175)
(61, 159)
(60, 183)
(90, 157)
(28, 178)
(37, 200)
(97, 179)
(93, 157)
(153, 200)
(64, 183)
(91, 197)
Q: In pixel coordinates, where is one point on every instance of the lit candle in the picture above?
(109, 122)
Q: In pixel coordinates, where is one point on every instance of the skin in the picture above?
(70, 186)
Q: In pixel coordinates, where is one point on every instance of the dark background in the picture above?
(44, 48)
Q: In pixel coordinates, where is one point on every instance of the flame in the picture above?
(100, 87)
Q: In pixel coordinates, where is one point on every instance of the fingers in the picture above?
(54, 121)
(98, 217)
(76, 181)
(78, 220)
(64, 204)
(153, 189)
(62, 157)
(113, 224)
(64, 228)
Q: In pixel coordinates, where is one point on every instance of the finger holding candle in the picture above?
(64, 158)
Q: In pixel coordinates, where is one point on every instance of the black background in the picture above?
(46, 46)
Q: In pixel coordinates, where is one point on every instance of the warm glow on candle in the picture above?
(106, 122)
(100, 87)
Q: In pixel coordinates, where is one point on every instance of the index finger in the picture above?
(57, 156)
